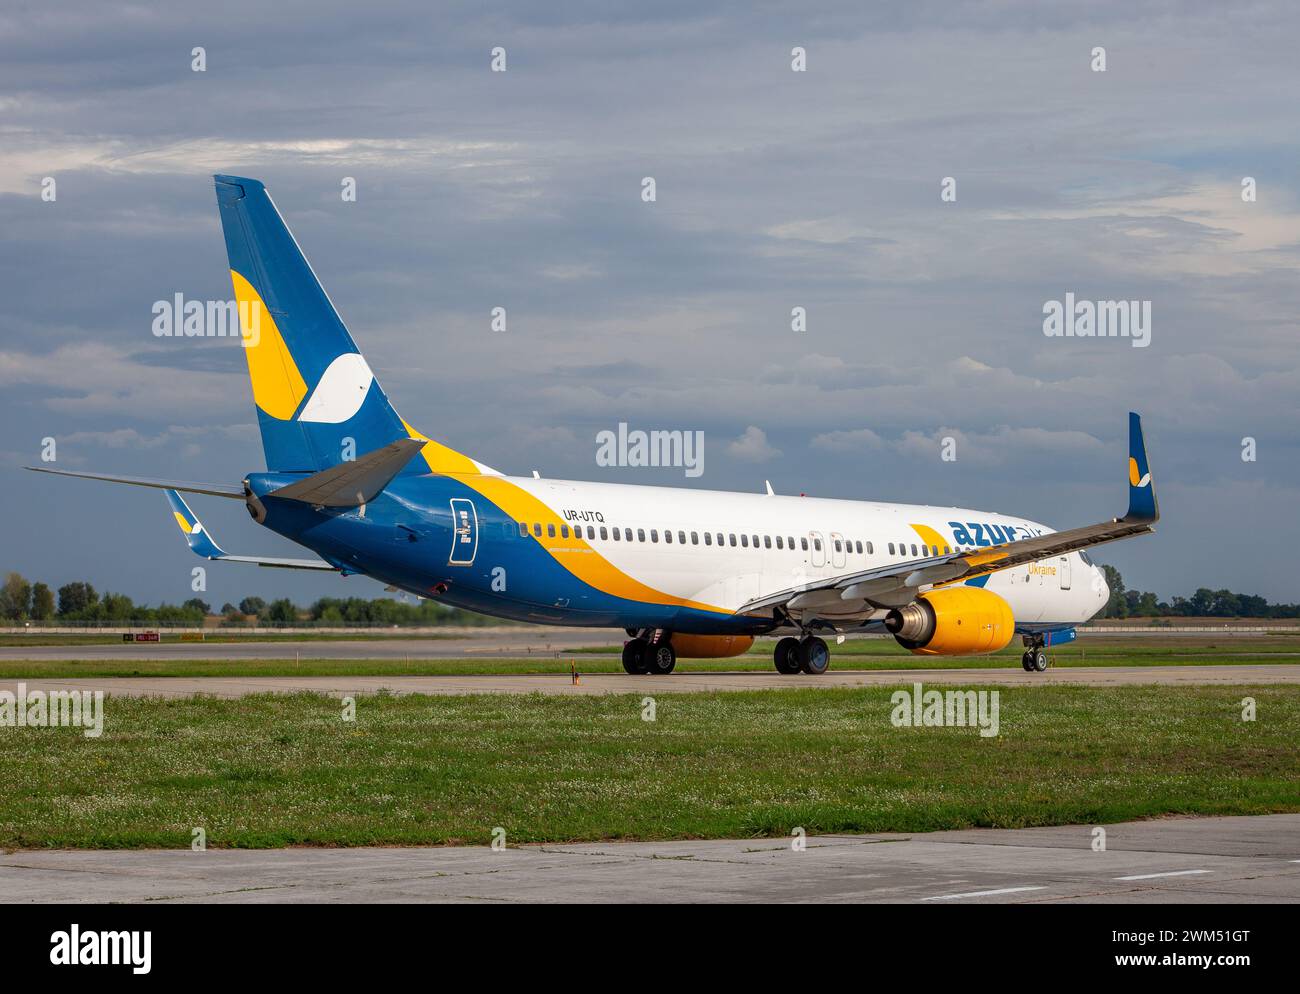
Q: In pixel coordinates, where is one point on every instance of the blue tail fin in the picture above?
(318, 403)
(1142, 504)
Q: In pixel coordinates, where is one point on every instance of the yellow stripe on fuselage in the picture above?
(931, 538)
(441, 459)
(574, 554)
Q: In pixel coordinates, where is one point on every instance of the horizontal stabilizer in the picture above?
(211, 489)
(350, 484)
(205, 545)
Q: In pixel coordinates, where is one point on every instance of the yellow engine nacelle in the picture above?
(711, 646)
(953, 621)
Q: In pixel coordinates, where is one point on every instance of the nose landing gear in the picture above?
(1035, 658)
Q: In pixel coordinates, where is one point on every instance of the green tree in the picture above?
(280, 612)
(252, 605)
(199, 605)
(1148, 607)
(117, 607)
(1117, 605)
(15, 597)
(77, 598)
(42, 602)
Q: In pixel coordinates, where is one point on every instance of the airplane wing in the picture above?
(204, 545)
(898, 583)
(211, 489)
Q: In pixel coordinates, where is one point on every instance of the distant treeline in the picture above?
(79, 603)
(1205, 603)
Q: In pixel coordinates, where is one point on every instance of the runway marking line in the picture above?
(981, 893)
(1171, 873)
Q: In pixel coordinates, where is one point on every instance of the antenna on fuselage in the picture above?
(768, 484)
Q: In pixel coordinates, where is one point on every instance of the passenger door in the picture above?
(817, 549)
(838, 555)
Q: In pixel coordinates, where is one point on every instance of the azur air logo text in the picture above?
(985, 533)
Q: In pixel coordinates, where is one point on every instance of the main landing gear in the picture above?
(1034, 659)
(807, 655)
(652, 653)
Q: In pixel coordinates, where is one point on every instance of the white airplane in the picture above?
(687, 573)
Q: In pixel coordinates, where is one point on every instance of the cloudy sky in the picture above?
(775, 189)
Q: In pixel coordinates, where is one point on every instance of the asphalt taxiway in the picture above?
(1164, 861)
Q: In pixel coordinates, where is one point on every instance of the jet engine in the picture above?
(953, 621)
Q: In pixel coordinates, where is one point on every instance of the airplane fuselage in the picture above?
(612, 555)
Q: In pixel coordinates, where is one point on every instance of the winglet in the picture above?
(1142, 506)
(195, 534)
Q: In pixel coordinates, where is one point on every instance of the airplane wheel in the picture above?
(787, 656)
(814, 656)
(660, 659)
(1040, 660)
(1027, 661)
(634, 656)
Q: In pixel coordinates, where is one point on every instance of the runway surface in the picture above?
(487, 643)
(677, 683)
(498, 643)
(1167, 861)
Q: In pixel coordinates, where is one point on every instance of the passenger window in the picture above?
(537, 529)
(870, 550)
(708, 538)
(891, 548)
(839, 546)
(858, 546)
(817, 544)
(721, 542)
(615, 534)
(946, 550)
(681, 537)
(790, 539)
(564, 531)
(803, 542)
(780, 544)
(523, 529)
(627, 534)
(668, 536)
(603, 533)
(640, 534)
(695, 537)
(914, 550)
(744, 541)
(733, 541)
(550, 531)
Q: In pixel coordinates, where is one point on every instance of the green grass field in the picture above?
(280, 770)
